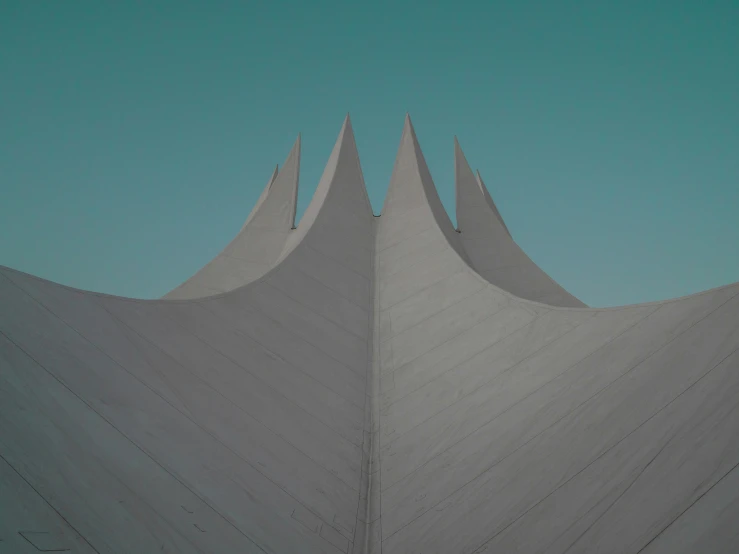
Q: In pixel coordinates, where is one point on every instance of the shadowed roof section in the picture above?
(377, 389)
(258, 245)
(491, 249)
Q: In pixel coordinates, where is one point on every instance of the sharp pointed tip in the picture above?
(293, 158)
(460, 159)
(347, 131)
(408, 126)
(274, 175)
(297, 147)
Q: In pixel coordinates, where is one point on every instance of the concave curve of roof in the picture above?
(257, 246)
(370, 392)
(508, 424)
(492, 251)
(227, 423)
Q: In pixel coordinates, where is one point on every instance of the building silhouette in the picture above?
(365, 384)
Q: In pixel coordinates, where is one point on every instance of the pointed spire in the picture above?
(490, 202)
(289, 178)
(412, 201)
(276, 207)
(465, 184)
(411, 186)
(341, 188)
(471, 193)
(257, 246)
(274, 174)
(342, 176)
(262, 196)
(488, 243)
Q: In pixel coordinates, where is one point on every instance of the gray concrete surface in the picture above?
(370, 384)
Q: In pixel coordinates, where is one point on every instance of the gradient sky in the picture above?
(135, 137)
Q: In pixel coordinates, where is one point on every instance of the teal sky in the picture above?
(135, 137)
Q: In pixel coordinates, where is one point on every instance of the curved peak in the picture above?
(258, 245)
(412, 187)
(491, 203)
(349, 168)
(274, 175)
(465, 184)
(342, 178)
(341, 190)
(472, 195)
(491, 250)
(262, 196)
(277, 204)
